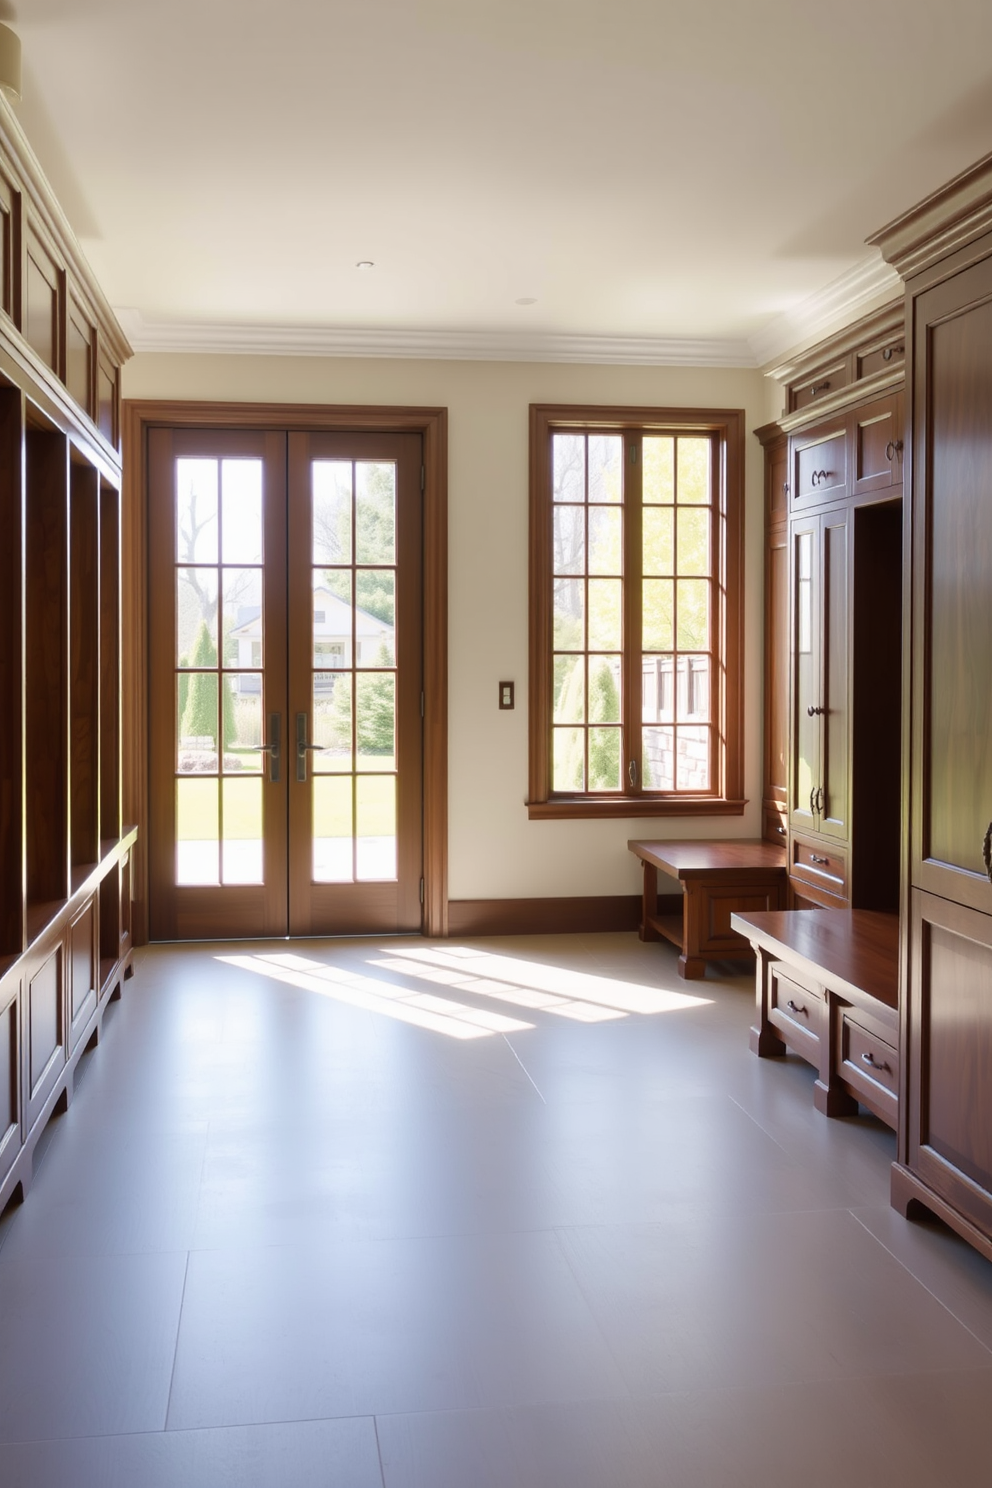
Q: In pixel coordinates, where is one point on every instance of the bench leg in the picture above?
(649, 902)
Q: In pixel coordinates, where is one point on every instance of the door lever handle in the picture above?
(273, 749)
(304, 747)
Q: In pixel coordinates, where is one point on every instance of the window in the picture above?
(636, 612)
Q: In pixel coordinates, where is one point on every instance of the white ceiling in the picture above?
(640, 169)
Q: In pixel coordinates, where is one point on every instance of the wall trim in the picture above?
(216, 338)
(865, 286)
(432, 423)
(557, 916)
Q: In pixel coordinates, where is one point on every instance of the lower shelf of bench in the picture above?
(826, 987)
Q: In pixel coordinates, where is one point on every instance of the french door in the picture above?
(286, 677)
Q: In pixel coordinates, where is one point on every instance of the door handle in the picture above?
(274, 747)
(819, 800)
(304, 747)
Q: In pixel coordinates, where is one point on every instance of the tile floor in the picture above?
(509, 1214)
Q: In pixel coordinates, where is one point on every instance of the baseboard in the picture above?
(551, 916)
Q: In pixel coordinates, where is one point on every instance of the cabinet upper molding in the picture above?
(948, 219)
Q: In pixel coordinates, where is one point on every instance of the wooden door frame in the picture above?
(138, 415)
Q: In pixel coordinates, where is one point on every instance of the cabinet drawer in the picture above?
(884, 357)
(774, 827)
(796, 1010)
(818, 865)
(870, 1067)
(820, 469)
(827, 380)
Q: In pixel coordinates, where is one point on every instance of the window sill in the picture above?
(564, 807)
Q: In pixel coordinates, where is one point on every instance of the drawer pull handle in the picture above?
(813, 712)
(818, 387)
(893, 448)
(987, 851)
(818, 476)
(872, 1063)
(814, 859)
(781, 831)
(819, 799)
(795, 1008)
(891, 351)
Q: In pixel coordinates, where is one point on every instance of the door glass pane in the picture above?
(332, 618)
(375, 720)
(658, 758)
(331, 490)
(197, 714)
(569, 467)
(375, 512)
(242, 704)
(242, 831)
(375, 609)
(332, 829)
(658, 468)
(242, 617)
(375, 831)
(197, 832)
(196, 617)
(332, 722)
(196, 511)
(241, 512)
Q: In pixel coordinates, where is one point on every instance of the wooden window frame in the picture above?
(727, 427)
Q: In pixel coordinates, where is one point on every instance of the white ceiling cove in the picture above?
(664, 181)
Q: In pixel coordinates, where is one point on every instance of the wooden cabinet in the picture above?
(775, 789)
(944, 250)
(64, 851)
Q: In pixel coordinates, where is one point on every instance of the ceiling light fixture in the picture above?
(10, 63)
(365, 263)
(527, 300)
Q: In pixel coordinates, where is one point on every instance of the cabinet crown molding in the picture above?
(949, 218)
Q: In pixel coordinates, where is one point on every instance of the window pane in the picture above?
(197, 722)
(694, 541)
(570, 539)
(693, 689)
(241, 485)
(375, 831)
(570, 689)
(605, 467)
(694, 471)
(242, 703)
(196, 511)
(604, 691)
(375, 512)
(605, 623)
(332, 722)
(605, 540)
(375, 607)
(196, 617)
(197, 832)
(658, 625)
(242, 851)
(693, 759)
(657, 540)
(658, 758)
(331, 483)
(658, 689)
(242, 615)
(569, 615)
(693, 597)
(604, 759)
(332, 835)
(567, 769)
(375, 720)
(568, 456)
(658, 469)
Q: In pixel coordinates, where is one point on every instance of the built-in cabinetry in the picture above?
(943, 249)
(65, 853)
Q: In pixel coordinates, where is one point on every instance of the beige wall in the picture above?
(495, 852)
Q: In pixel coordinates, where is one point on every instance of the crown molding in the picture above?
(946, 220)
(866, 286)
(210, 338)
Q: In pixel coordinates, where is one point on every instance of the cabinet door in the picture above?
(952, 592)
(876, 445)
(835, 674)
(804, 772)
(949, 1118)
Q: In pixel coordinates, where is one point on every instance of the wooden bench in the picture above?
(827, 987)
(717, 878)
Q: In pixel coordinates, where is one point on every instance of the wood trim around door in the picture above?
(138, 415)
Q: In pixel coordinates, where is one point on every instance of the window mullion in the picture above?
(632, 545)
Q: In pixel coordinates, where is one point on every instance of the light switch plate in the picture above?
(506, 694)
